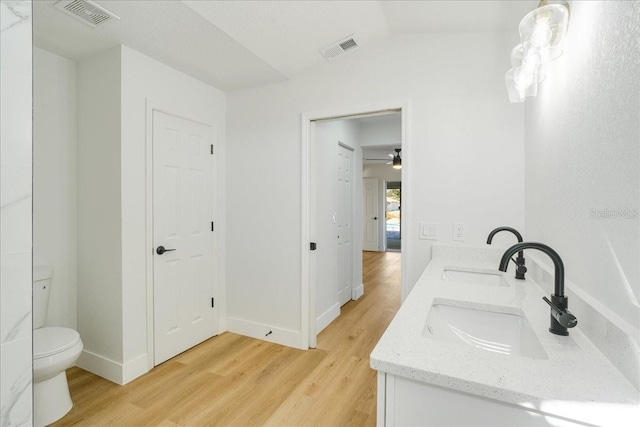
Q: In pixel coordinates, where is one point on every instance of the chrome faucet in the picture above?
(520, 267)
(561, 317)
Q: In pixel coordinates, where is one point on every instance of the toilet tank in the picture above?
(41, 287)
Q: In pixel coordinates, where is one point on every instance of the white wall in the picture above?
(115, 89)
(145, 79)
(15, 214)
(464, 163)
(99, 290)
(324, 161)
(54, 180)
(384, 173)
(583, 157)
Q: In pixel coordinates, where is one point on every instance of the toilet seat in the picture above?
(53, 340)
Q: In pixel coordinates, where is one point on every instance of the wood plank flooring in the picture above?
(231, 380)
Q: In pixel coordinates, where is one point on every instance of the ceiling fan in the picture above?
(396, 161)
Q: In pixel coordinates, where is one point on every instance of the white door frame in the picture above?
(152, 106)
(307, 293)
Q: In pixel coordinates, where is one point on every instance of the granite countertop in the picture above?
(576, 381)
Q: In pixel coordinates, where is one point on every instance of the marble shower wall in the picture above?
(15, 214)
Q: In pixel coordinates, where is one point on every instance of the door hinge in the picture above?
(211, 148)
(212, 302)
(312, 246)
(212, 226)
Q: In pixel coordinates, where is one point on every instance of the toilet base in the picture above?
(51, 400)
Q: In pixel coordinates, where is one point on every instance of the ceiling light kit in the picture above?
(397, 161)
(541, 34)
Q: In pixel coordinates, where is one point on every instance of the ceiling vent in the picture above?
(85, 11)
(340, 48)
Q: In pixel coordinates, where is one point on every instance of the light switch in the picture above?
(458, 231)
(428, 231)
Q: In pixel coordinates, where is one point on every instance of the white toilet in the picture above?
(55, 349)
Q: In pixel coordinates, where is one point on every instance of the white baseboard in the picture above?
(134, 368)
(100, 365)
(327, 317)
(357, 292)
(261, 331)
(113, 371)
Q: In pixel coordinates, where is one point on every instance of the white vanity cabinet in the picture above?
(405, 402)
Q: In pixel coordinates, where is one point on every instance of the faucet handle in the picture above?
(520, 267)
(562, 315)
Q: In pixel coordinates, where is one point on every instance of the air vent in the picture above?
(340, 48)
(85, 11)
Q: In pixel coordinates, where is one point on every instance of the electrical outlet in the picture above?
(458, 232)
(428, 231)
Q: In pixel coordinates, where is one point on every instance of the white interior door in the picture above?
(370, 214)
(344, 217)
(182, 224)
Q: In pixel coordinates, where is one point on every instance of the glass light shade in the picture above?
(544, 55)
(519, 86)
(544, 27)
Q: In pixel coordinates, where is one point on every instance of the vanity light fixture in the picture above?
(541, 33)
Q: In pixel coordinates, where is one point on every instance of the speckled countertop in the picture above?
(576, 381)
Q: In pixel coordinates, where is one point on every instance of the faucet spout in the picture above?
(557, 262)
(499, 229)
(520, 269)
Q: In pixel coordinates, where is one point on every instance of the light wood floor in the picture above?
(235, 380)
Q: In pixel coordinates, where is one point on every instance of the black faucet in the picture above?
(561, 317)
(520, 267)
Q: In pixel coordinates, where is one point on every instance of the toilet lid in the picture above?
(52, 340)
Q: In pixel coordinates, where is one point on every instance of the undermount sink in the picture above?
(485, 329)
(474, 276)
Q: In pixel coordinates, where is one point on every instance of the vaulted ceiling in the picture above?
(238, 44)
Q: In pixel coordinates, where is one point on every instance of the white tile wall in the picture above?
(15, 214)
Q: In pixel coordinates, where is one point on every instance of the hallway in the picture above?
(235, 380)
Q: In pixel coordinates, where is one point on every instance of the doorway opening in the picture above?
(323, 213)
(393, 197)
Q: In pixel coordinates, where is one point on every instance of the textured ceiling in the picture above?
(289, 34)
(167, 31)
(409, 17)
(238, 44)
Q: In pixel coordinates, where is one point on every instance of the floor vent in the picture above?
(340, 48)
(85, 11)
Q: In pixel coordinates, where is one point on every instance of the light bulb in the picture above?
(542, 33)
(544, 27)
(531, 63)
(522, 78)
(520, 85)
(520, 53)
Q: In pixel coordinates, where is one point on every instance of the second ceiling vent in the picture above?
(340, 48)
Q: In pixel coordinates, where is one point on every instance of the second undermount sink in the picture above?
(474, 276)
(486, 329)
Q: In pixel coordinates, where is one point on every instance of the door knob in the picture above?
(375, 217)
(162, 250)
